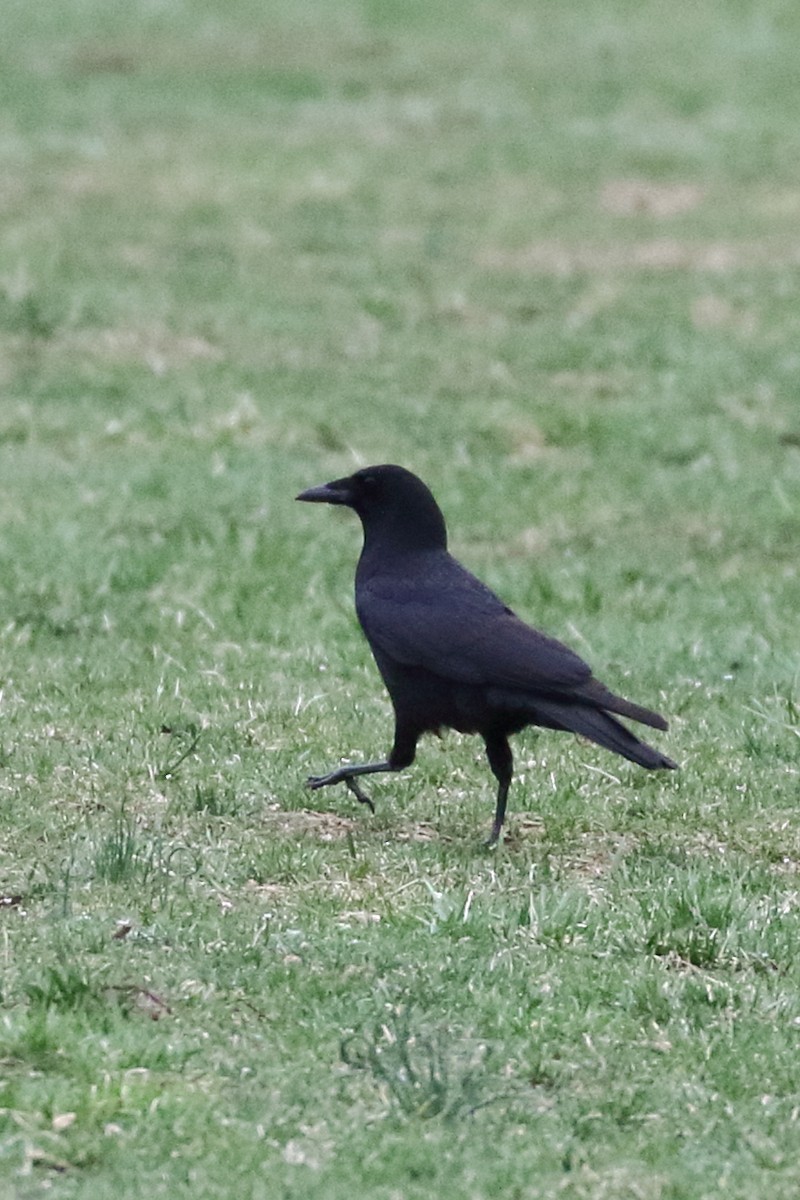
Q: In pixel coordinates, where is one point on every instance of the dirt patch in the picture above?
(330, 827)
(327, 827)
(656, 254)
(159, 349)
(521, 831)
(714, 312)
(601, 383)
(597, 854)
(527, 442)
(643, 197)
(420, 831)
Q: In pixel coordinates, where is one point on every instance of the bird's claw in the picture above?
(360, 795)
(317, 781)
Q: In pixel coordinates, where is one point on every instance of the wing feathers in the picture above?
(437, 617)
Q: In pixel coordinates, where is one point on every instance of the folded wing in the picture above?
(442, 619)
(448, 622)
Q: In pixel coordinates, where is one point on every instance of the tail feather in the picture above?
(597, 693)
(605, 730)
(593, 723)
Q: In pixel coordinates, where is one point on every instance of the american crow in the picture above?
(451, 653)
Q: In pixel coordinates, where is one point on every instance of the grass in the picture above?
(546, 256)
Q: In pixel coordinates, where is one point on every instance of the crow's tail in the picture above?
(607, 731)
(590, 722)
(596, 693)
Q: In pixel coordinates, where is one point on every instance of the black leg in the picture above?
(402, 755)
(347, 775)
(501, 761)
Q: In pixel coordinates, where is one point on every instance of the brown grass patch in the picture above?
(324, 826)
(601, 383)
(520, 831)
(157, 348)
(656, 254)
(643, 197)
(597, 854)
(714, 312)
(330, 827)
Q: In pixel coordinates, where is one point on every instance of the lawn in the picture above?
(545, 255)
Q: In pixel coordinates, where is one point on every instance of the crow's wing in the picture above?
(438, 617)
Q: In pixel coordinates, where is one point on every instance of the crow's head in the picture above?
(389, 500)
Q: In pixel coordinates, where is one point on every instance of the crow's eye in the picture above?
(369, 482)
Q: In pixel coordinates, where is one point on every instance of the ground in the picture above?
(545, 256)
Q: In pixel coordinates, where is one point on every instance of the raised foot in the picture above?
(319, 781)
(360, 795)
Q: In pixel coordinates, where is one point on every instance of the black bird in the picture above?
(451, 653)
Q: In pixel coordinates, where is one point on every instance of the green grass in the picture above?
(546, 256)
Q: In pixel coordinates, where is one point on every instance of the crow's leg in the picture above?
(402, 755)
(501, 761)
(347, 775)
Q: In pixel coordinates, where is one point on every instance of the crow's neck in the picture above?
(392, 537)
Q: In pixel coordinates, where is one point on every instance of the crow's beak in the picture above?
(327, 493)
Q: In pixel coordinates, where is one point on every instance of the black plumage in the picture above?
(451, 654)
